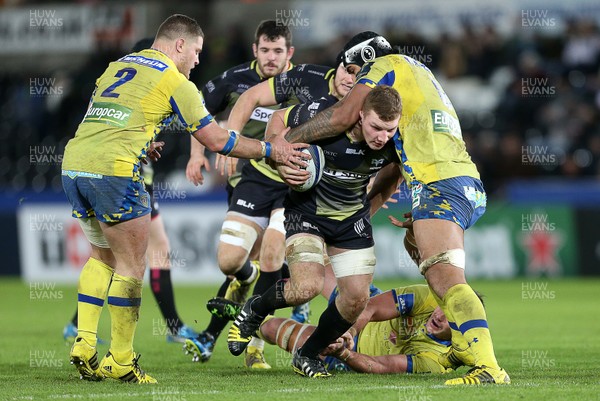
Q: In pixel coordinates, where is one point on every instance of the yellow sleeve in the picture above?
(414, 300)
(187, 102)
(377, 72)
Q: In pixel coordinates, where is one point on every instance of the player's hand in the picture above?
(291, 176)
(335, 348)
(288, 154)
(226, 164)
(153, 152)
(193, 171)
(391, 199)
(402, 224)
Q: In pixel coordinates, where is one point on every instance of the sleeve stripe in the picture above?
(204, 122)
(177, 111)
(409, 364)
(471, 324)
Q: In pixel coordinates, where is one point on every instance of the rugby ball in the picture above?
(315, 168)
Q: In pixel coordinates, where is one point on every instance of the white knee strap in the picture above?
(93, 232)
(304, 249)
(238, 234)
(454, 257)
(354, 262)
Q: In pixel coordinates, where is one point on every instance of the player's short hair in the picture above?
(385, 102)
(179, 26)
(273, 31)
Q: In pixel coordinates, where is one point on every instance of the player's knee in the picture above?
(235, 243)
(303, 291)
(351, 304)
(231, 258)
(454, 257)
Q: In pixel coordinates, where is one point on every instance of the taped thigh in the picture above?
(354, 262)
(454, 257)
(238, 234)
(276, 221)
(93, 232)
(304, 249)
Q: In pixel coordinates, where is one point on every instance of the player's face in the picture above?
(189, 55)
(353, 69)
(437, 324)
(343, 81)
(272, 57)
(375, 131)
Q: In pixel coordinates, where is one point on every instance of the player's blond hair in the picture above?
(179, 26)
(385, 102)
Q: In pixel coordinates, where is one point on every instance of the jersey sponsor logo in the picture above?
(319, 73)
(241, 70)
(405, 303)
(352, 151)
(313, 109)
(344, 175)
(445, 122)
(330, 153)
(210, 86)
(107, 113)
(243, 87)
(262, 114)
(243, 203)
(148, 62)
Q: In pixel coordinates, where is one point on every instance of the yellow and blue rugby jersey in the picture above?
(430, 144)
(136, 97)
(405, 334)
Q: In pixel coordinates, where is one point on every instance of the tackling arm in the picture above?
(330, 122)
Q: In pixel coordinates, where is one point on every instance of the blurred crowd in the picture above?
(529, 104)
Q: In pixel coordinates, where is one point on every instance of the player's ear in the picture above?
(290, 52)
(255, 50)
(179, 45)
(360, 116)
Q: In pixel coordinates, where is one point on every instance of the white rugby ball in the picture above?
(315, 168)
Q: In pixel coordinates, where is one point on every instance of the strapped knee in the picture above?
(238, 234)
(454, 257)
(354, 262)
(304, 249)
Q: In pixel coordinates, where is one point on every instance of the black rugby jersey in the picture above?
(349, 165)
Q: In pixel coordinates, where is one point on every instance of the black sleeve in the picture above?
(301, 113)
(301, 78)
(216, 94)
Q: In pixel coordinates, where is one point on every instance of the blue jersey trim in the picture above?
(205, 121)
(118, 301)
(472, 324)
(173, 104)
(88, 299)
(453, 325)
(388, 79)
(447, 343)
(409, 363)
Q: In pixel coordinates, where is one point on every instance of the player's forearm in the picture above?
(230, 143)
(275, 125)
(368, 364)
(323, 125)
(196, 148)
(241, 112)
(385, 184)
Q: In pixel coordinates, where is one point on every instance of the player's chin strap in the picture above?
(454, 257)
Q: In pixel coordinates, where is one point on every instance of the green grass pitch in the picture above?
(546, 335)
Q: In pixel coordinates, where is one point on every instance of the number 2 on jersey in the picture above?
(129, 74)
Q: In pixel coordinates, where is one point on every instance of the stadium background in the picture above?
(523, 76)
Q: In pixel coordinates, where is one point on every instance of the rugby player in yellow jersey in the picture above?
(400, 331)
(447, 195)
(134, 99)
